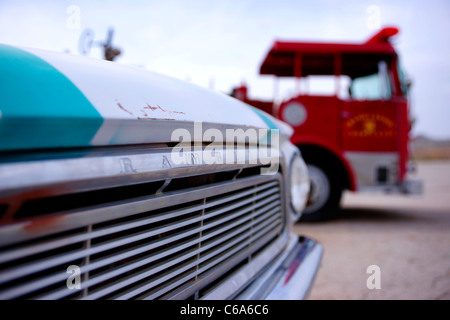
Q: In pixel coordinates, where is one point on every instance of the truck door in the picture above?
(370, 128)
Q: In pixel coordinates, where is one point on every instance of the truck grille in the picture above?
(166, 245)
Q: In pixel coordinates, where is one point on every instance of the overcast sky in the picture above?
(219, 44)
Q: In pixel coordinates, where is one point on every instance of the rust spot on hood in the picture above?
(121, 107)
(163, 110)
(144, 112)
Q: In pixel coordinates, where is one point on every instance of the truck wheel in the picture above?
(325, 193)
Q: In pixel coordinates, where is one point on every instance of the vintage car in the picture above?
(118, 183)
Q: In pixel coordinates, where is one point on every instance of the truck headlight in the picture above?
(299, 184)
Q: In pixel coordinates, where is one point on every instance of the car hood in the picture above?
(54, 100)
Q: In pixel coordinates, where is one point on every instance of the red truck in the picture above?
(355, 138)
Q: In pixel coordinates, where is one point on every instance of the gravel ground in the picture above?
(407, 237)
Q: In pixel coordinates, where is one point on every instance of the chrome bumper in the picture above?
(412, 187)
(291, 276)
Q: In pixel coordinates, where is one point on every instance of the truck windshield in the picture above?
(374, 86)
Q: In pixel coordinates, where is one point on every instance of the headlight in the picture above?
(299, 184)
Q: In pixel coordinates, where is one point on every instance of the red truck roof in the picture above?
(319, 58)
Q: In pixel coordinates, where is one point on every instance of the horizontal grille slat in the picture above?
(153, 250)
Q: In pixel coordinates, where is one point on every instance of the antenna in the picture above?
(87, 41)
(110, 52)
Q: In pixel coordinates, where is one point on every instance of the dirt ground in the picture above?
(408, 238)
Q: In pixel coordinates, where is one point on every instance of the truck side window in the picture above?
(404, 81)
(374, 86)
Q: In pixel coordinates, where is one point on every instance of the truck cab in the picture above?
(355, 137)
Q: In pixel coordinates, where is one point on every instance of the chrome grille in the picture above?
(160, 246)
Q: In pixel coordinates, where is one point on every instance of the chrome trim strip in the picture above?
(128, 168)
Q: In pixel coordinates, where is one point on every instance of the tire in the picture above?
(325, 194)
